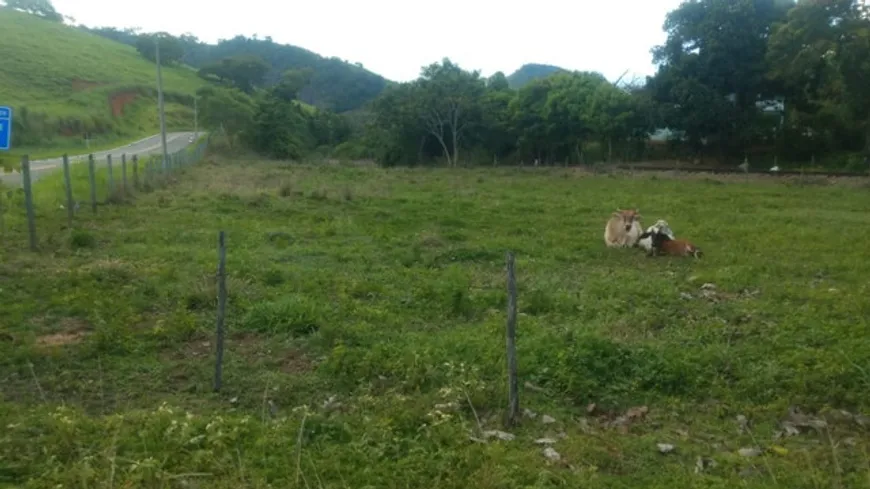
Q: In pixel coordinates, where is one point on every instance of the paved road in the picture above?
(151, 145)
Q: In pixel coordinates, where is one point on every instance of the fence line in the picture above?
(34, 201)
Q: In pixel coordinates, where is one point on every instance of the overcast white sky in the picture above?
(395, 38)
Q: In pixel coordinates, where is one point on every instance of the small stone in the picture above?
(749, 452)
(686, 296)
(789, 429)
(501, 435)
(545, 441)
(548, 419)
(665, 448)
(552, 455)
(234, 400)
(742, 423)
(529, 413)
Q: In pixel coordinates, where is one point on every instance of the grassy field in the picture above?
(366, 334)
(65, 81)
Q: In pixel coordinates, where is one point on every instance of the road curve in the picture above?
(148, 146)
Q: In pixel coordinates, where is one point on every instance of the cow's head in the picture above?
(629, 217)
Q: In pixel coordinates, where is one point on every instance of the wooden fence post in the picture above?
(67, 180)
(92, 177)
(513, 383)
(124, 172)
(136, 172)
(111, 177)
(222, 303)
(28, 201)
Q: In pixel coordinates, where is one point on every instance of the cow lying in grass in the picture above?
(660, 240)
(623, 229)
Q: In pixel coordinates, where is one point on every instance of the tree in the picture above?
(821, 56)
(448, 99)
(281, 129)
(228, 109)
(292, 83)
(498, 82)
(244, 72)
(613, 115)
(40, 8)
(171, 49)
(397, 132)
(715, 51)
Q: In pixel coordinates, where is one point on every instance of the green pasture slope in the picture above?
(366, 320)
(60, 82)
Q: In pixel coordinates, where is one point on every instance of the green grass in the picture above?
(385, 289)
(63, 78)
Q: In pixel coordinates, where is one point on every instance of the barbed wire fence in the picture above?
(84, 184)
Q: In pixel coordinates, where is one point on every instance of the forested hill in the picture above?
(529, 72)
(335, 84)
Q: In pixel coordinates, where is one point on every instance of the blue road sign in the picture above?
(5, 128)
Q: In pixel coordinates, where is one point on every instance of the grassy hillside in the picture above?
(366, 320)
(529, 72)
(336, 84)
(63, 82)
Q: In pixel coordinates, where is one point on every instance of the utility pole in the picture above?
(160, 104)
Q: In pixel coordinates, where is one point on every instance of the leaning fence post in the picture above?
(67, 180)
(28, 201)
(124, 172)
(92, 178)
(222, 303)
(513, 383)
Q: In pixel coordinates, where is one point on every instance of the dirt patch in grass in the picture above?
(119, 100)
(72, 331)
(251, 347)
(79, 85)
(295, 361)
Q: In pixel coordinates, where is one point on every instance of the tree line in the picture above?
(760, 79)
(768, 80)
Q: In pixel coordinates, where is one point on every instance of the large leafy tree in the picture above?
(821, 56)
(716, 52)
(228, 109)
(448, 103)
